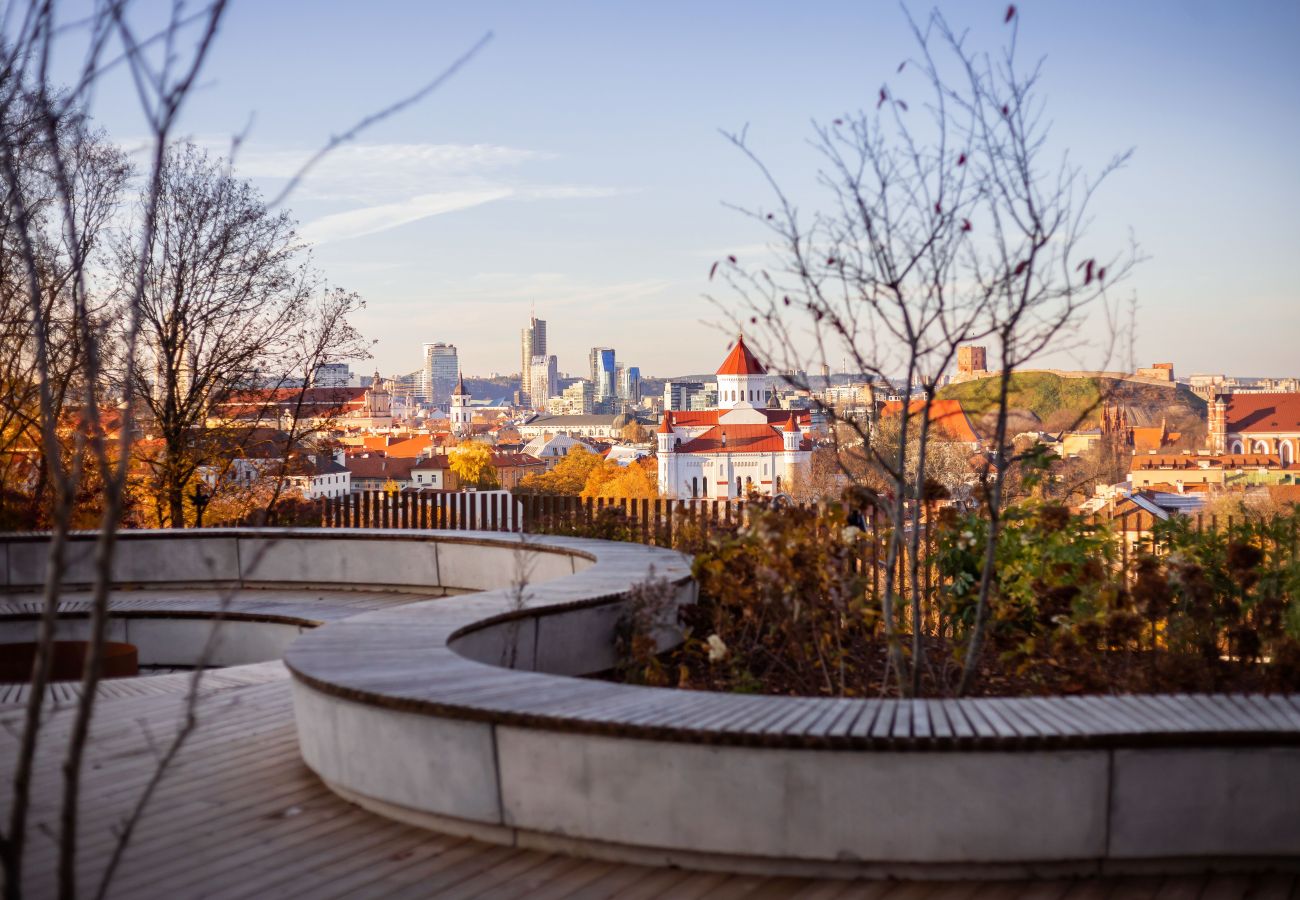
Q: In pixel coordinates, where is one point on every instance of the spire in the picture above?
(740, 361)
(790, 424)
(667, 426)
(460, 385)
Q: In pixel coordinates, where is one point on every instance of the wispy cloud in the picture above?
(373, 219)
(384, 186)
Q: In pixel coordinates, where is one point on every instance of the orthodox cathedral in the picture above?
(742, 446)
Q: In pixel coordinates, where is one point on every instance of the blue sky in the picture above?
(576, 164)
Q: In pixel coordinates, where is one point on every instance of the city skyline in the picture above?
(519, 182)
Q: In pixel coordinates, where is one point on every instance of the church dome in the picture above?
(623, 420)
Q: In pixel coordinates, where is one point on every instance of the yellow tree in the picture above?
(610, 481)
(471, 462)
(568, 477)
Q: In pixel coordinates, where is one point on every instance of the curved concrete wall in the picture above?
(161, 640)
(456, 713)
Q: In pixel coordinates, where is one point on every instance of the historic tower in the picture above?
(459, 412)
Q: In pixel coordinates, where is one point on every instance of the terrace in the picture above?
(428, 678)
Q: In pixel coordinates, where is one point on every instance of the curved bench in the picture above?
(458, 713)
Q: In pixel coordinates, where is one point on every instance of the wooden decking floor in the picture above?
(239, 815)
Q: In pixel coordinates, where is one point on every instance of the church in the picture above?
(742, 446)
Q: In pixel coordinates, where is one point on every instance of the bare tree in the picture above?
(946, 225)
(76, 368)
(225, 287)
(33, 114)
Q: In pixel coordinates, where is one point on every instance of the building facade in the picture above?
(603, 373)
(972, 362)
(332, 375)
(1257, 423)
(532, 344)
(459, 414)
(741, 446)
(543, 380)
(441, 369)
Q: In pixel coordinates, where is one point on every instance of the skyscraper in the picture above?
(441, 369)
(332, 375)
(532, 343)
(629, 384)
(603, 373)
(543, 380)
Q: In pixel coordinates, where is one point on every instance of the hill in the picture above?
(1058, 402)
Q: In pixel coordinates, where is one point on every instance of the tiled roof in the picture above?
(515, 460)
(380, 467)
(739, 439)
(438, 461)
(1263, 413)
(948, 420)
(697, 418)
(740, 361)
(1153, 438)
(411, 447)
(1220, 461)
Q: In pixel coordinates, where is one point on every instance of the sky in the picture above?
(575, 166)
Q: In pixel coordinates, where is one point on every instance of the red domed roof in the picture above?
(666, 427)
(790, 424)
(740, 361)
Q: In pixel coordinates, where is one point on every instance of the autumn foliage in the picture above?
(787, 606)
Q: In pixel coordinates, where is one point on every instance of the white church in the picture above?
(741, 446)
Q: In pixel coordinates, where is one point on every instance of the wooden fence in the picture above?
(647, 521)
(682, 524)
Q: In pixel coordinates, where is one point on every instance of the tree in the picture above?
(947, 224)
(569, 477)
(610, 481)
(471, 462)
(225, 292)
(634, 433)
(70, 380)
(49, 203)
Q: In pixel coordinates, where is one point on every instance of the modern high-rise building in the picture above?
(576, 400)
(543, 380)
(679, 394)
(629, 384)
(441, 370)
(332, 375)
(604, 379)
(532, 343)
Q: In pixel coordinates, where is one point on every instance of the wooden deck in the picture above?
(239, 815)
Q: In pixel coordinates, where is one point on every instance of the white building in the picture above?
(605, 428)
(739, 447)
(543, 380)
(550, 449)
(441, 369)
(460, 414)
(326, 478)
(332, 375)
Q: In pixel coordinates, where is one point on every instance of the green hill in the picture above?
(1041, 393)
(1060, 402)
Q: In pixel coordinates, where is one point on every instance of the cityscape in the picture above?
(594, 451)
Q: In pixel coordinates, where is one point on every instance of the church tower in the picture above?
(742, 380)
(459, 412)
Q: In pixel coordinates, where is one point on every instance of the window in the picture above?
(737, 485)
(695, 487)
